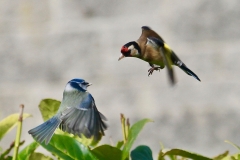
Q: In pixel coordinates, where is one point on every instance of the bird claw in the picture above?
(150, 71)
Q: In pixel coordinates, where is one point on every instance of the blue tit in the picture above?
(151, 48)
(77, 114)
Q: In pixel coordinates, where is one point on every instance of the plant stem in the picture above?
(19, 131)
(9, 149)
(123, 128)
(127, 127)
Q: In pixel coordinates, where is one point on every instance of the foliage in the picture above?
(8, 123)
(67, 146)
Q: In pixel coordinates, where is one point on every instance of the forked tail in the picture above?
(188, 71)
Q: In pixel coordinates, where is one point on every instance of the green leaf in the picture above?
(48, 108)
(82, 139)
(232, 157)
(119, 144)
(133, 133)
(68, 148)
(9, 122)
(39, 156)
(87, 141)
(186, 154)
(142, 153)
(27, 151)
(107, 152)
(221, 156)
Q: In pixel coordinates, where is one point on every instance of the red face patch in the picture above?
(124, 49)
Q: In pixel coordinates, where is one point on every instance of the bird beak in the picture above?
(89, 84)
(121, 57)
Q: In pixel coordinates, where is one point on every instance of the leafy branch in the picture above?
(68, 146)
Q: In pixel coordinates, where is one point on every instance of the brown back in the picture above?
(146, 32)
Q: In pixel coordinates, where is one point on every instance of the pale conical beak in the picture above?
(89, 84)
(121, 57)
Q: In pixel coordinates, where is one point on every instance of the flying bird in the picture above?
(77, 114)
(151, 48)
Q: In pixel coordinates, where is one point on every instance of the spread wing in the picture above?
(84, 119)
(148, 32)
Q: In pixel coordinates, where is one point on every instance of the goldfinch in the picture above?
(151, 48)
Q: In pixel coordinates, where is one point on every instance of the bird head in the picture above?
(131, 49)
(77, 84)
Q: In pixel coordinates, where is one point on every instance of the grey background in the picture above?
(44, 44)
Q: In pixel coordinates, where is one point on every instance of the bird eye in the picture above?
(84, 83)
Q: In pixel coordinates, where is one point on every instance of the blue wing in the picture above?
(84, 119)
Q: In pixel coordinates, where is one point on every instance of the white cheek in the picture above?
(134, 52)
(69, 88)
(131, 47)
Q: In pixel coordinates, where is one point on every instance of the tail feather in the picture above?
(44, 132)
(40, 136)
(176, 61)
(188, 71)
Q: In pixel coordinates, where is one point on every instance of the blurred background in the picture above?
(44, 44)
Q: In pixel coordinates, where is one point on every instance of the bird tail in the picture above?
(181, 65)
(44, 132)
(188, 71)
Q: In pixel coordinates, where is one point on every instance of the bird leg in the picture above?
(150, 71)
